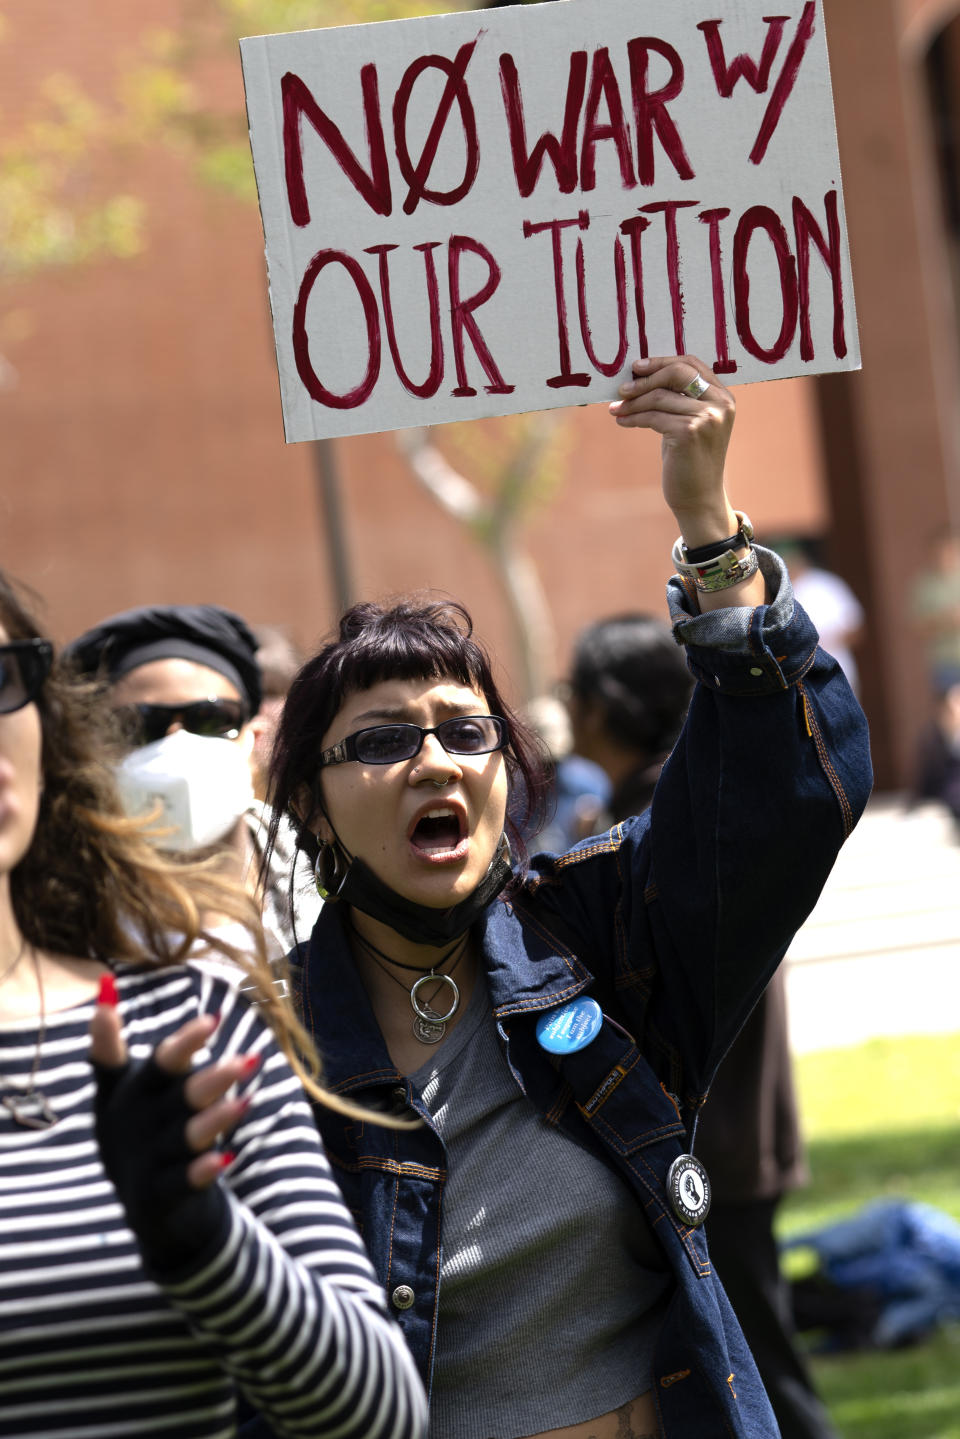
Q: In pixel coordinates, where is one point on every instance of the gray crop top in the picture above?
(552, 1286)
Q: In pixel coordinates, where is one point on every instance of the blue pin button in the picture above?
(571, 1027)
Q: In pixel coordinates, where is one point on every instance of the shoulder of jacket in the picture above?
(551, 869)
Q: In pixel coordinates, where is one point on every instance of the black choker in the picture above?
(429, 1027)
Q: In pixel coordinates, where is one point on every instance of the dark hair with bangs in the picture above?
(409, 640)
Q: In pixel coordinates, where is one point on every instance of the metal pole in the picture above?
(331, 518)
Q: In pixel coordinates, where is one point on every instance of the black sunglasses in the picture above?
(390, 743)
(24, 665)
(213, 718)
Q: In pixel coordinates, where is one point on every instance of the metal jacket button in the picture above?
(402, 1297)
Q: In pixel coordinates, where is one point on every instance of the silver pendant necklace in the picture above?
(429, 1027)
(30, 1107)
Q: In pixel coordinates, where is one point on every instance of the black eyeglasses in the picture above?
(390, 743)
(24, 665)
(213, 718)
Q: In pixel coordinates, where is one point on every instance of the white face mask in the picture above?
(203, 784)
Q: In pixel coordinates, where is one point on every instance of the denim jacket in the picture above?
(674, 921)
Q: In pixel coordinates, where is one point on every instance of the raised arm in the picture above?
(681, 400)
(772, 769)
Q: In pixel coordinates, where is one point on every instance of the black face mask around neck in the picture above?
(417, 922)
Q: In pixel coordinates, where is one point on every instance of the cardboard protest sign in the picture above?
(494, 211)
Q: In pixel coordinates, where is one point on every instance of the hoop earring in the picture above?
(329, 871)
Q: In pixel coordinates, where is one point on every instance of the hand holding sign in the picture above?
(695, 432)
(681, 400)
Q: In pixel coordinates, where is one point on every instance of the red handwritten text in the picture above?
(759, 224)
(461, 309)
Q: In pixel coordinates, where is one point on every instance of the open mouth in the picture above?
(440, 831)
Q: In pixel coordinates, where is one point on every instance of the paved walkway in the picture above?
(880, 954)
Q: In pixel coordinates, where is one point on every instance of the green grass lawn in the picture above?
(910, 1394)
(883, 1119)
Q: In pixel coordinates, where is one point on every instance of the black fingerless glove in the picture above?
(140, 1115)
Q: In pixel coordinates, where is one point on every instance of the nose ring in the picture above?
(438, 782)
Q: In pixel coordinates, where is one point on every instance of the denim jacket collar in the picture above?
(539, 975)
(337, 1010)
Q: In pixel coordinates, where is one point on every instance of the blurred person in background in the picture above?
(185, 686)
(171, 1230)
(935, 608)
(750, 1141)
(578, 791)
(827, 599)
(279, 659)
(629, 691)
(290, 899)
(937, 773)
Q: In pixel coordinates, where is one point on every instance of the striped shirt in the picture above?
(288, 1310)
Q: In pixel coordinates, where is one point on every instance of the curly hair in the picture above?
(93, 886)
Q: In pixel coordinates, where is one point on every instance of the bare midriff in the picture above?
(635, 1420)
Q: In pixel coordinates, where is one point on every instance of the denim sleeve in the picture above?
(693, 904)
(767, 781)
(743, 649)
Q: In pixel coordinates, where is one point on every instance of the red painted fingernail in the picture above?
(251, 1063)
(227, 1158)
(244, 1104)
(108, 991)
